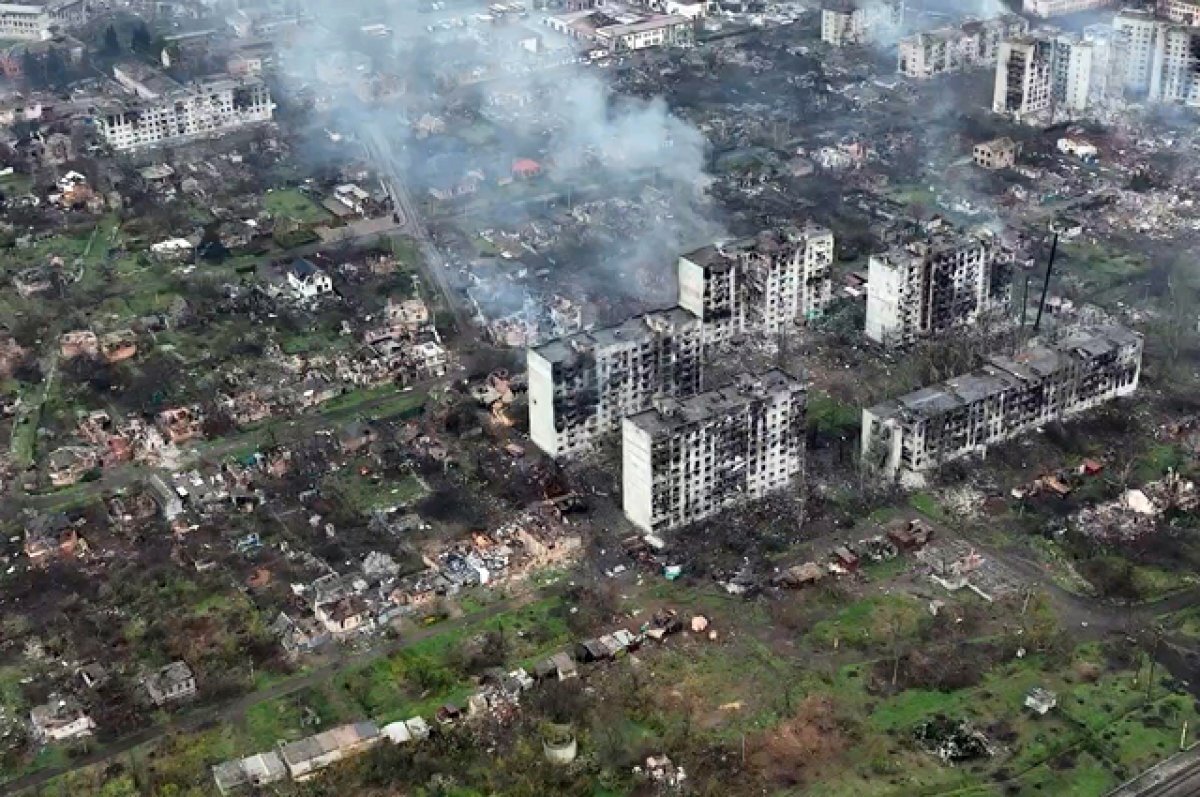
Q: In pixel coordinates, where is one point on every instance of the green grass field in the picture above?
(295, 206)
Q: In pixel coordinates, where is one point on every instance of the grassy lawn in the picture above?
(371, 492)
(290, 718)
(1085, 777)
(828, 415)
(386, 402)
(25, 426)
(419, 679)
(858, 624)
(406, 251)
(16, 184)
(927, 505)
(292, 204)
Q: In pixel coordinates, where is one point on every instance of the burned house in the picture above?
(582, 386)
(765, 284)
(686, 460)
(932, 286)
(171, 683)
(908, 437)
(60, 718)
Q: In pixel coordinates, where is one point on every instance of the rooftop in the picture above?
(747, 388)
(340, 738)
(1001, 372)
(639, 327)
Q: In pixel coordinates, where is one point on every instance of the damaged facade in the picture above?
(931, 286)
(910, 436)
(180, 113)
(956, 49)
(686, 460)
(582, 386)
(36, 19)
(1161, 57)
(1024, 78)
(764, 285)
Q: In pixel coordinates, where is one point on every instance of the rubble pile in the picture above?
(1138, 511)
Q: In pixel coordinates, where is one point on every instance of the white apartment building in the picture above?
(1078, 68)
(686, 460)
(1024, 86)
(767, 284)
(1059, 8)
(911, 436)
(37, 19)
(954, 49)
(1138, 34)
(710, 289)
(933, 286)
(209, 108)
(1160, 59)
(581, 387)
(844, 23)
(1177, 68)
(1181, 12)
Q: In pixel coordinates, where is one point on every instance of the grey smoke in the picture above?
(587, 137)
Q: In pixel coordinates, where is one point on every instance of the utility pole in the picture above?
(1158, 632)
(1037, 324)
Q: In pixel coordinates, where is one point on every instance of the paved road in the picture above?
(435, 264)
(231, 710)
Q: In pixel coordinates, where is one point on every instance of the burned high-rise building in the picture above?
(686, 460)
(762, 285)
(1024, 85)
(580, 387)
(911, 436)
(932, 286)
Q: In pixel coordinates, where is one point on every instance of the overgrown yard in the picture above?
(295, 206)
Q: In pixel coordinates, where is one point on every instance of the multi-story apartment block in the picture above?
(38, 19)
(1181, 12)
(710, 289)
(1139, 35)
(1078, 63)
(932, 286)
(580, 387)
(766, 284)
(686, 460)
(844, 22)
(911, 436)
(172, 114)
(955, 49)
(1177, 67)
(1024, 86)
(1059, 8)
(1160, 57)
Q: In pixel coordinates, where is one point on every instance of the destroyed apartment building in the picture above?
(582, 386)
(846, 23)
(37, 20)
(929, 287)
(687, 460)
(161, 110)
(973, 44)
(765, 285)
(911, 436)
